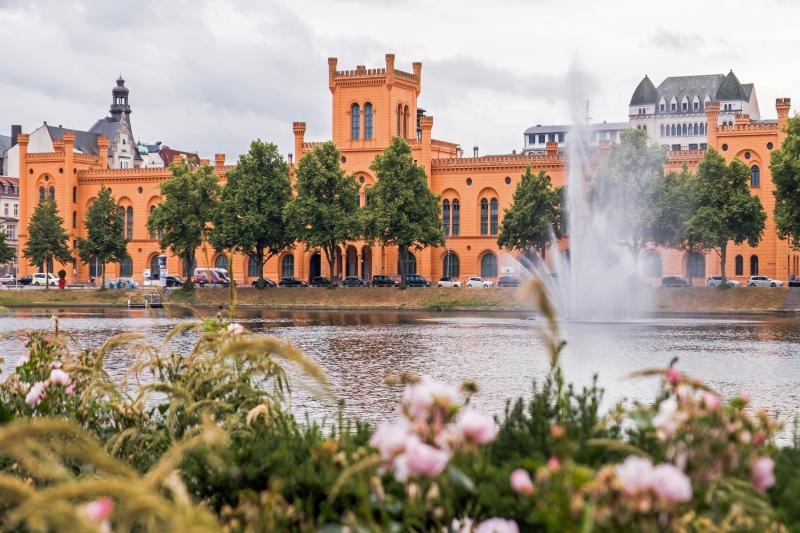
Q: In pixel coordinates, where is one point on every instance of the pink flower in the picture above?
(635, 474)
(423, 459)
(553, 463)
(745, 397)
(759, 439)
(673, 376)
(763, 475)
(70, 389)
(59, 377)
(521, 482)
(497, 525)
(35, 394)
(668, 418)
(235, 329)
(98, 510)
(671, 484)
(419, 398)
(711, 400)
(476, 426)
(390, 438)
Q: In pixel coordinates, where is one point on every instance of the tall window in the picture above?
(287, 266)
(129, 223)
(696, 128)
(661, 128)
(489, 265)
(451, 267)
(253, 269)
(121, 214)
(367, 121)
(405, 122)
(456, 225)
(684, 129)
(696, 265)
(221, 262)
(652, 264)
(755, 176)
(493, 215)
(702, 128)
(74, 195)
(739, 266)
(673, 130)
(126, 268)
(155, 269)
(753, 265)
(52, 193)
(356, 125)
(95, 268)
(399, 118)
(446, 217)
(188, 269)
(484, 216)
(74, 219)
(153, 234)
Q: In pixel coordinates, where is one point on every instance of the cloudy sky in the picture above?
(212, 75)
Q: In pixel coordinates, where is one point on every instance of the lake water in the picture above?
(502, 353)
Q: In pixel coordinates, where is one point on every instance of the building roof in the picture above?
(716, 86)
(731, 89)
(5, 144)
(9, 186)
(645, 93)
(85, 142)
(168, 154)
(562, 128)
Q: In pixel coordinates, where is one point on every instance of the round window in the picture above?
(60, 170)
(770, 146)
(361, 179)
(30, 171)
(747, 155)
(343, 159)
(141, 190)
(508, 180)
(724, 147)
(469, 181)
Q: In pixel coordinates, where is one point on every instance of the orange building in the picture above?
(369, 107)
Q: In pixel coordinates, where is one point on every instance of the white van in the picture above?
(40, 277)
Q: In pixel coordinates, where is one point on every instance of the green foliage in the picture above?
(47, 239)
(628, 188)
(105, 228)
(727, 211)
(183, 218)
(7, 252)
(534, 213)
(249, 218)
(401, 209)
(324, 213)
(785, 168)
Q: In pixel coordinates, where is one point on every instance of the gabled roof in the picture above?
(85, 142)
(645, 93)
(108, 127)
(716, 86)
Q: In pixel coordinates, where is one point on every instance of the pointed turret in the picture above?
(731, 89)
(645, 93)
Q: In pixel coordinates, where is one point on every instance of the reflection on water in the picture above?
(501, 352)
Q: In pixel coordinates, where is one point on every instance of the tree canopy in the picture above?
(105, 239)
(324, 212)
(785, 168)
(628, 186)
(401, 209)
(250, 215)
(182, 219)
(534, 214)
(47, 239)
(727, 211)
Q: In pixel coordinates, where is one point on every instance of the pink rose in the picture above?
(553, 463)
(671, 484)
(711, 400)
(423, 459)
(762, 475)
(497, 525)
(673, 376)
(35, 394)
(521, 482)
(476, 426)
(59, 377)
(390, 438)
(745, 397)
(419, 398)
(635, 474)
(98, 510)
(70, 389)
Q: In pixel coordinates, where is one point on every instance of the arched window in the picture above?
(451, 267)
(446, 217)
(661, 129)
(287, 266)
(702, 128)
(129, 223)
(153, 234)
(755, 176)
(405, 122)
(684, 129)
(489, 265)
(95, 268)
(644, 127)
(188, 269)
(52, 193)
(456, 225)
(74, 219)
(673, 130)
(253, 268)
(484, 216)
(399, 118)
(126, 268)
(739, 266)
(74, 195)
(696, 128)
(221, 262)
(356, 125)
(494, 208)
(696, 265)
(155, 269)
(754, 265)
(367, 121)
(121, 214)
(411, 263)
(652, 264)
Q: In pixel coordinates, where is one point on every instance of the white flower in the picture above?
(235, 329)
(668, 418)
(419, 398)
(35, 394)
(59, 377)
(635, 474)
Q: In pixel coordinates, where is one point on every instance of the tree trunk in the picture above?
(188, 259)
(403, 259)
(46, 275)
(330, 255)
(103, 283)
(723, 253)
(260, 255)
(689, 263)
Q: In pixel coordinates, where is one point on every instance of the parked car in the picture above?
(716, 281)
(448, 282)
(268, 283)
(383, 281)
(479, 282)
(794, 282)
(321, 281)
(673, 281)
(25, 280)
(173, 281)
(508, 281)
(354, 281)
(292, 282)
(7, 279)
(42, 278)
(211, 276)
(763, 281)
(415, 280)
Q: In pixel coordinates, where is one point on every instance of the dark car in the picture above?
(354, 281)
(415, 280)
(25, 280)
(794, 282)
(383, 281)
(321, 281)
(508, 281)
(267, 283)
(292, 282)
(173, 281)
(674, 281)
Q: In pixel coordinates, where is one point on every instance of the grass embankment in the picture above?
(715, 300)
(35, 297)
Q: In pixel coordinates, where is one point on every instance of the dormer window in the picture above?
(661, 107)
(674, 106)
(685, 106)
(697, 105)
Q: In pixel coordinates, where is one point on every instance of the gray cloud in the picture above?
(675, 41)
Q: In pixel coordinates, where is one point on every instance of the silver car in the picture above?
(763, 281)
(716, 281)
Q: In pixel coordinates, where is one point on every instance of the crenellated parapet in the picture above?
(498, 162)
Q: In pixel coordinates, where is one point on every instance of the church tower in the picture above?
(119, 101)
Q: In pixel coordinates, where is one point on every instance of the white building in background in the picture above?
(673, 114)
(536, 137)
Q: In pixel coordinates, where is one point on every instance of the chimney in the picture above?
(389, 70)
(289, 158)
(16, 129)
(475, 151)
(552, 148)
(219, 161)
(332, 73)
